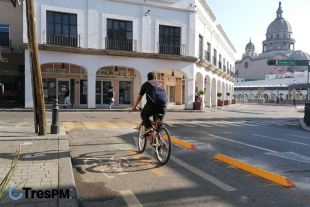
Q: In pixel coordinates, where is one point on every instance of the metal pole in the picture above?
(55, 125)
(37, 68)
(308, 86)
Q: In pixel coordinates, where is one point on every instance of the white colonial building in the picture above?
(90, 45)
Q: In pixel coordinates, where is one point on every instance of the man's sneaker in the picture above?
(147, 131)
(109, 107)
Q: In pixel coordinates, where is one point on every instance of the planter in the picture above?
(226, 102)
(220, 103)
(233, 101)
(197, 105)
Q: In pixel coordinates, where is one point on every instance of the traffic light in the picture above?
(272, 62)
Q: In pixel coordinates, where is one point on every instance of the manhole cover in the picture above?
(34, 155)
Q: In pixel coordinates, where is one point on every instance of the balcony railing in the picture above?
(171, 49)
(214, 61)
(125, 45)
(72, 40)
(207, 55)
(5, 42)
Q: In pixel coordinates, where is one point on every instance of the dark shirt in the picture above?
(67, 93)
(147, 88)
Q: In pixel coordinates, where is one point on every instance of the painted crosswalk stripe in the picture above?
(107, 124)
(69, 126)
(90, 125)
(130, 198)
(203, 174)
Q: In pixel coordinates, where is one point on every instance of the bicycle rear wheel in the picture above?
(141, 138)
(163, 150)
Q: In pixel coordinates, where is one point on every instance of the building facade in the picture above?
(91, 45)
(11, 55)
(279, 44)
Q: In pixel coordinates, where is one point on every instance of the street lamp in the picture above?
(294, 101)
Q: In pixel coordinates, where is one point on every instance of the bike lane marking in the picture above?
(149, 165)
(202, 174)
(130, 198)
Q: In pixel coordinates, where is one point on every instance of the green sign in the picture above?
(293, 62)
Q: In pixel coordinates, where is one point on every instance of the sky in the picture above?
(243, 20)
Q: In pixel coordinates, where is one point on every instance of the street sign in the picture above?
(272, 62)
(293, 62)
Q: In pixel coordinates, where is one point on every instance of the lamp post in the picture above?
(294, 100)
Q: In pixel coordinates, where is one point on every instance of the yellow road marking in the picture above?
(181, 142)
(107, 124)
(284, 181)
(70, 126)
(149, 165)
(91, 125)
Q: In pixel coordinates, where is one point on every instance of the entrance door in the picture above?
(61, 90)
(172, 94)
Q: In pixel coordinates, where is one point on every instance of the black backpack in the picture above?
(110, 94)
(160, 97)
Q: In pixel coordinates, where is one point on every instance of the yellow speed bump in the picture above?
(284, 181)
(177, 141)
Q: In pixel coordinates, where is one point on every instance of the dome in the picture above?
(299, 55)
(250, 46)
(279, 25)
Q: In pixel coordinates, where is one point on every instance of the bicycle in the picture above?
(160, 139)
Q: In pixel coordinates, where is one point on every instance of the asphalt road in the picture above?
(108, 171)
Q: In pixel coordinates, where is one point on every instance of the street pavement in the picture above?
(108, 172)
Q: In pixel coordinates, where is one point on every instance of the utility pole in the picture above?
(36, 68)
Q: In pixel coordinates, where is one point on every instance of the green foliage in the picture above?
(228, 94)
(201, 92)
(219, 94)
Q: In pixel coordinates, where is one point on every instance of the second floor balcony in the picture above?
(207, 56)
(4, 42)
(124, 45)
(72, 40)
(171, 49)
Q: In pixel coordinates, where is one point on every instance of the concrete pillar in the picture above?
(214, 94)
(91, 91)
(208, 95)
(189, 93)
(28, 83)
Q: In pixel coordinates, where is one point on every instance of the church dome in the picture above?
(279, 25)
(299, 55)
(250, 46)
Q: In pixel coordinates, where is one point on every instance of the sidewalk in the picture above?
(44, 164)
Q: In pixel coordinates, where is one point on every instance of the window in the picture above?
(61, 28)
(208, 54)
(246, 64)
(220, 61)
(224, 66)
(214, 57)
(4, 35)
(278, 36)
(119, 35)
(200, 47)
(271, 37)
(169, 40)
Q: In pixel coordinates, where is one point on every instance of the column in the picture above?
(208, 95)
(189, 93)
(91, 91)
(28, 82)
(214, 94)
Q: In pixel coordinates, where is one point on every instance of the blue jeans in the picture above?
(111, 103)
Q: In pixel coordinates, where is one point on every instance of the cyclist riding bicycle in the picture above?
(150, 108)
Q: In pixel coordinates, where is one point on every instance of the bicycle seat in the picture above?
(158, 116)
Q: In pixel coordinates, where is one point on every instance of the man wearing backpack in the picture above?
(156, 100)
(111, 95)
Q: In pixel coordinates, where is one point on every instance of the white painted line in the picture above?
(283, 140)
(130, 198)
(296, 136)
(203, 175)
(123, 173)
(242, 143)
(242, 107)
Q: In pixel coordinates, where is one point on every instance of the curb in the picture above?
(281, 180)
(65, 173)
(304, 125)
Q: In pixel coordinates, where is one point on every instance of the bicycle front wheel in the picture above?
(141, 138)
(163, 150)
